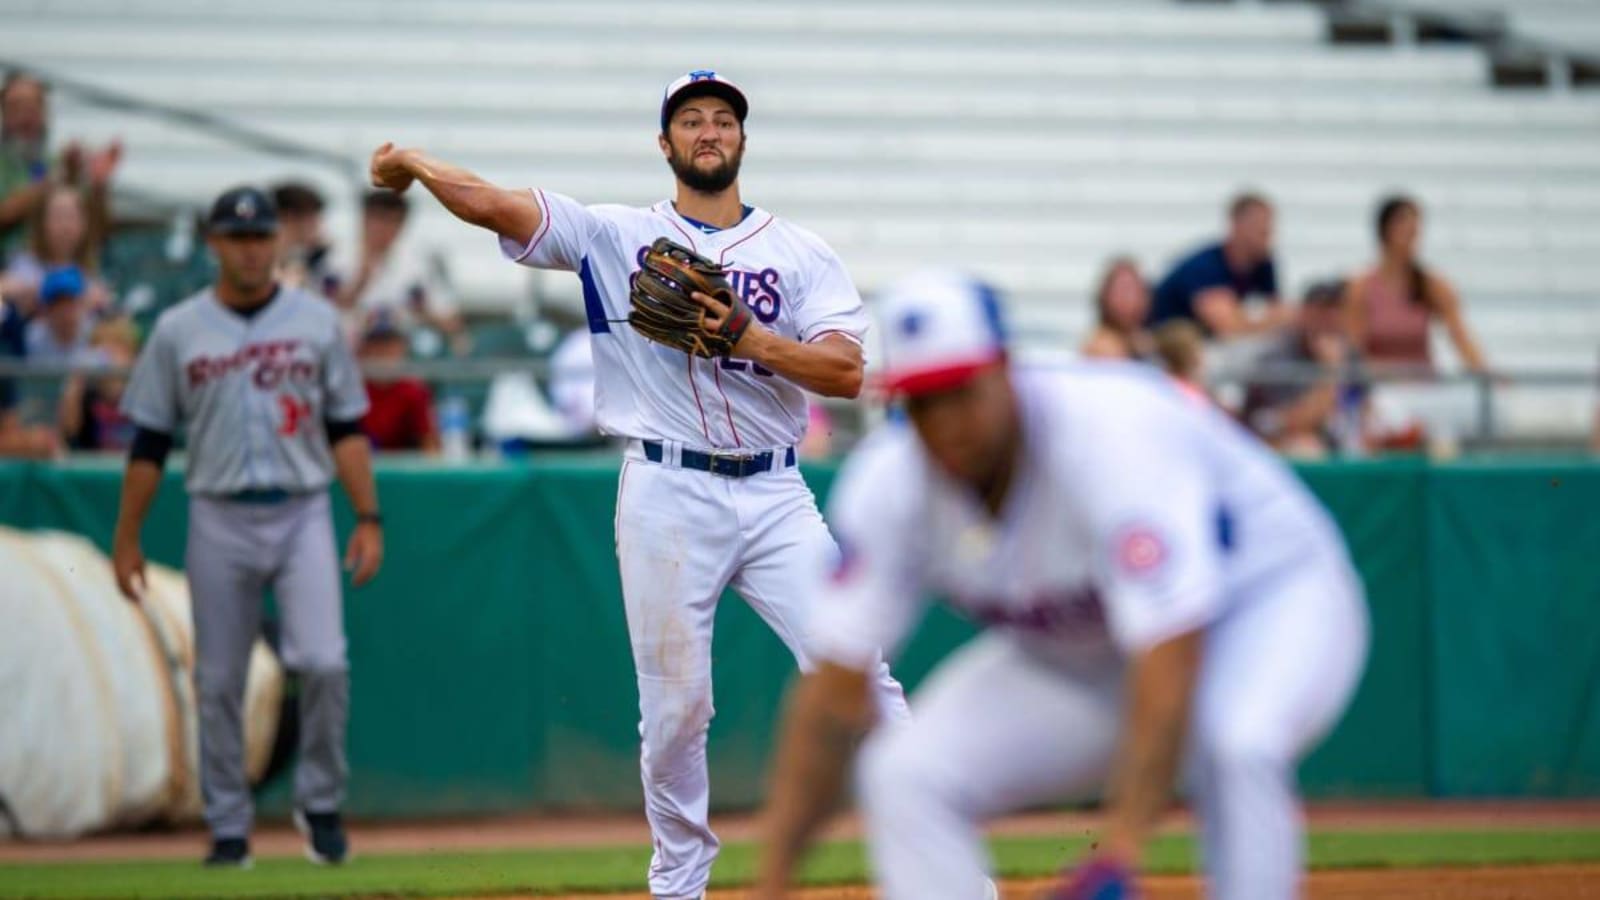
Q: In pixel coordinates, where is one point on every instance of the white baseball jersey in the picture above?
(792, 281)
(1135, 515)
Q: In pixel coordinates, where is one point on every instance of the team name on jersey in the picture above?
(1077, 610)
(758, 290)
(270, 363)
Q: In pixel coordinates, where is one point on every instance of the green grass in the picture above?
(561, 871)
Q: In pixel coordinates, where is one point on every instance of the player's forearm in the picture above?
(832, 367)
(139, 485)
(352, 460)
(472, 199)
(1160, 683)
(828, 714)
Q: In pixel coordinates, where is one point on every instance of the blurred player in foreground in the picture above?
(1155, 583)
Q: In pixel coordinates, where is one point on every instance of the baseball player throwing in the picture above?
(272, 400)
(709, 496)
(1151, 577)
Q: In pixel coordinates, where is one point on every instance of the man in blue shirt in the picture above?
(1209, 286)
(17, 439)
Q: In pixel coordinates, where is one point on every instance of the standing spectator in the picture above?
(1393, 303)
(61, 233)
(1210, 286)
(400, 409)
(1296, 417)
(25, 167)
(303, 250)
(1121, 305)
(60, 331)
(1391, 310)
(90, 415)
(400, 281)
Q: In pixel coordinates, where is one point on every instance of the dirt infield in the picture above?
(524, 831)
(1557, 882)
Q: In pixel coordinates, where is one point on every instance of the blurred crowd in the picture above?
(1300, 372)
(60, 318)
(1305, 369)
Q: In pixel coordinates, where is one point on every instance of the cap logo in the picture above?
(702, 75)
(911, 324)
(245, 208)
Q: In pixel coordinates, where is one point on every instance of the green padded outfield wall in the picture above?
(491, 670)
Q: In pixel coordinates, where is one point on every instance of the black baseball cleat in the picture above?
(325, 840)
(229, 853)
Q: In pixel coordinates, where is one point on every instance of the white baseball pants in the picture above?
(683, 536)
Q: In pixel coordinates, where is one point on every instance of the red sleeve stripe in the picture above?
(543, 229)
(827, 331)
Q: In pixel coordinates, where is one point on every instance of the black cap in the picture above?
(243, 210)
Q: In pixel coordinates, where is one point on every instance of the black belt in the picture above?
(264, 496)
(728, 465)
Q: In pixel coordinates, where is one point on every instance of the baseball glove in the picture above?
(664, 312)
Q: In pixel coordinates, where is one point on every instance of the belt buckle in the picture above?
(737, 462)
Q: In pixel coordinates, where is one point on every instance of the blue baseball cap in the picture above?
(940, 328)
(61, 283)
(699, 83)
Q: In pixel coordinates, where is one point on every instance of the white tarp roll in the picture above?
(97, 712)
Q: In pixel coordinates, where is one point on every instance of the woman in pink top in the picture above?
(1391, 305)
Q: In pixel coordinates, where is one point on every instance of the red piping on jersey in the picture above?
(689, 362)
(723, 256)
(825, 332)
(543, 229)
(674, 223)
(716, 373)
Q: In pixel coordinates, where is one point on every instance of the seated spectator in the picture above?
(1210, 286)
(60, 234)
(1121, 305)
(25, 167)
(1392, 304)
(16, 439)
(90, 415)
(1180, 349)
(400, 416)
(303, 251)
(59, 333)
(1297, 417)
(402, 282)
(572, 381)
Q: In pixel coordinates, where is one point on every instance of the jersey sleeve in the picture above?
(150, 399)
(830, 303)
(344, 388)
(566, 229)
(867, 593)
(1153, 516)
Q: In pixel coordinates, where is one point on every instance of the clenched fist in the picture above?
(388, 168)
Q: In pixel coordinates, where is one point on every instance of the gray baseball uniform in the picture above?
(254, 392)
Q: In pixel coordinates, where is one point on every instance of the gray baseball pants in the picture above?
(236, 550)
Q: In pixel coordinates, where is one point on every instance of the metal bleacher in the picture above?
(1025, 139)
